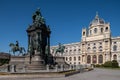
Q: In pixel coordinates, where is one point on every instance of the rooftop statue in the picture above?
(37, 17)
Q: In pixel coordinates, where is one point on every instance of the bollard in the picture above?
(81, 68)
(24, 68)
(62, 67)
(8, 68)
(12, 68)
(70, 68)
(56, 68)
(47, 67)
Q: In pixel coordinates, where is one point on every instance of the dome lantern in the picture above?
(97, 20)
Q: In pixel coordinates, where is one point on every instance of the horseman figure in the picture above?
(17, 45)
(15, 48)
(60, 49)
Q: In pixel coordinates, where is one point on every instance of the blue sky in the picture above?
(65, 17)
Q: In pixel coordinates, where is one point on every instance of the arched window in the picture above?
(100, 48)
(74, 50)
(94, 44)
(74, 58)
(66, 50)
(66, 58)
(100, 43)
(94, 59)
(70, 58)
(78, 49)
(88, 59)
(95, 30)
(106, 29)
(88, 49)
(88, 44)
(101, 30)
(90, 32)
(94, 49)
(114, 42)
(70, 50)
(79, 58)
(100, 59)
(115, 57)
(114, 48)
(83, 33)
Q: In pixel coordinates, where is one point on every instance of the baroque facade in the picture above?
(96, 47)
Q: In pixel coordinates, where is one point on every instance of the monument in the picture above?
(38, 43)
(37, 59)
(38, 55)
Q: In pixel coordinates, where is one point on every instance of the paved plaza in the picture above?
(96, 74)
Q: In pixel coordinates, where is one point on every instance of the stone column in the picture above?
(97, 61)
(40, 42)
(91, 59)
(48, 44)
(28, 41)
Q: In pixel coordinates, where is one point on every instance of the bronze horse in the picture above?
(60, 49)
(15, 48)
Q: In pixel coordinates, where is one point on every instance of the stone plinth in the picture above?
(60, 61)
(16, 63)
(36, 63)
(17, 60)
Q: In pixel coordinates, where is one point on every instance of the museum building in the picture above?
(96, 47)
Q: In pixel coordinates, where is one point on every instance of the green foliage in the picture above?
(102, 65)
(115, 64)
(107, 64)
(97, 65)
(111, 64)
(4, 61)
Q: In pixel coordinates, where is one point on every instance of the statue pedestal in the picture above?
(60, 61)
(37, 63)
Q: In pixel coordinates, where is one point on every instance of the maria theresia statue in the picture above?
(37, 18)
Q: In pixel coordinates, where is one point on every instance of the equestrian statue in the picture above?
(15, 48)
(60, 49)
